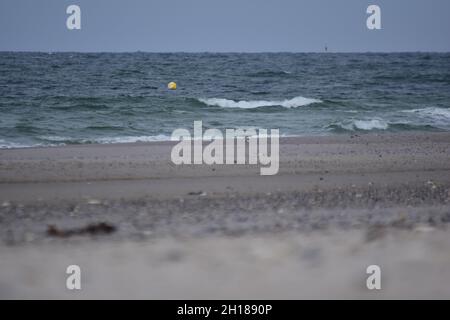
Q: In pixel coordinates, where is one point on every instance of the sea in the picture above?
(52, 99)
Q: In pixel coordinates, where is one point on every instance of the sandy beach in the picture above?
(338, 204)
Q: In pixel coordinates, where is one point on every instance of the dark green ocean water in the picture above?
(71, 98)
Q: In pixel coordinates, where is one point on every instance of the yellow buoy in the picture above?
(172, 86)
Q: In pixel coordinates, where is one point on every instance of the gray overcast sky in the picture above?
(225, 25)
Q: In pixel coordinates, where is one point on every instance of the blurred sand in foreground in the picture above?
(338, 205)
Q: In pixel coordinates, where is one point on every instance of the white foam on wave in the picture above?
(132, 139)
(432, 112)
(372, 124)
(55, 141)
(105, 140)
(366, 125)
(291, 103)
(56, 138)
(15, 145)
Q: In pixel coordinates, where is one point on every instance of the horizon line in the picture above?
(220, 52)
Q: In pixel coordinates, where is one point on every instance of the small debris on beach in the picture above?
(199, 193)
(431, 184)
(102, 228)
(94, 202)
(424, 229)
(6, 204)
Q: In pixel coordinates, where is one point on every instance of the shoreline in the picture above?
(306, 138)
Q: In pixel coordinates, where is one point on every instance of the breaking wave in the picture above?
(105, 140)
(55, 141)
(431, 112)
(291, 103)
(364, 125)
(17, 145)
(371, 124)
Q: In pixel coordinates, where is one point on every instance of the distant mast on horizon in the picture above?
(326, 48)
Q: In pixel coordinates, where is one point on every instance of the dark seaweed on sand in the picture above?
(91, 229)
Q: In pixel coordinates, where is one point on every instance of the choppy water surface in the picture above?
(70, 98)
